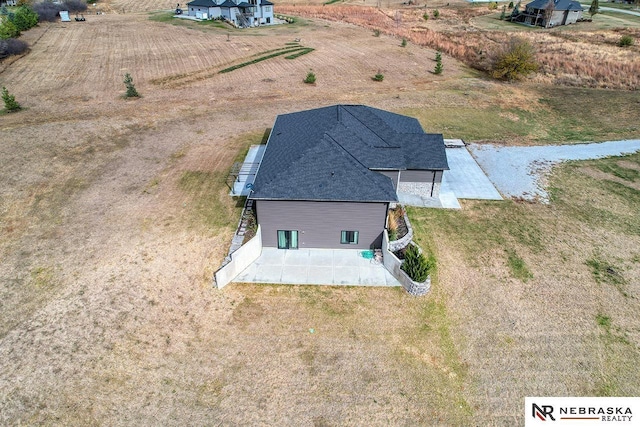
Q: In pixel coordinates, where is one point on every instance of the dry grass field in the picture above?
(114, 215)
(584, 55)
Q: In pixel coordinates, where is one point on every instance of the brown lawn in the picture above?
(114, 215)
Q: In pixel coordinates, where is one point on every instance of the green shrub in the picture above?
(404, 42)
(510, 5)
(131, 89)
(513, 61)
(311, 78)
(625, 41)
(8, 29)
(425, 16)
(416, 265)
(376, 33)
(10, 103)
(436, 13)
(25, 18)
(493, 5)
(378, 77)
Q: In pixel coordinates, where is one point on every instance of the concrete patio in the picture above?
(316, 267)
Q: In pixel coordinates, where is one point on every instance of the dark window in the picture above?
(349, 237)
(287, 239)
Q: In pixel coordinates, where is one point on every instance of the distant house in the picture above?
(551, 13)
(329, 175)
(8, 3)
(242, 14)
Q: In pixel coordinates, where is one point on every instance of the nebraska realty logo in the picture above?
(582, 411)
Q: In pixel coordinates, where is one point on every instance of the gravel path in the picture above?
(522, 171)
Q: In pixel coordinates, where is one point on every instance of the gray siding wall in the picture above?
(393, 175)
(416, 176)
(319, 223)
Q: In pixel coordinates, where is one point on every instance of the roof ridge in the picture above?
(363, 124)
(351, 156)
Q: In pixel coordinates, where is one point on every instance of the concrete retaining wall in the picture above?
(240, 260)
(392, 264)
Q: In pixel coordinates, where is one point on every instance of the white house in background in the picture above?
(241, 13)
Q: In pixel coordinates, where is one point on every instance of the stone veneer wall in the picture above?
(404, 241)
(422, 189)
(392, 263)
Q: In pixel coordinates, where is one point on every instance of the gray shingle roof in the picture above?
(202, 3)
(329, 153)
(558, 5)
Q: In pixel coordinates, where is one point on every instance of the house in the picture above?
(9, 3)
(241, 14)
(551, 13)
(329, 175)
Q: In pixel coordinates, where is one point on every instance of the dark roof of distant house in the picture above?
(228, 3)
(265, 3)
(245, 4)
(202, 3)
(558, 4)
(331, 153)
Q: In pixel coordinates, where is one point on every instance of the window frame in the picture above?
(349, 237)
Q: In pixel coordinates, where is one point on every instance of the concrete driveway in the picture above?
(316, 267)
(464, 180)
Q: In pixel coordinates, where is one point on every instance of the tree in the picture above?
(131, 89)
(416, 265)
(25, 18)
(504, 13)
(439, 67)
(10, 103)
(513, 61)
(311, 78)
(549, 8)
(594, 8)
(8, 29)
(515, 12)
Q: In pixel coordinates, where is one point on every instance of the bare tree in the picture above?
(549, 8)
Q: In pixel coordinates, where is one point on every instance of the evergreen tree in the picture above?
(8, 29)
(595, 8)
(439, 67)
(516, 11)
(131, 89)
(10, 103)
(24, 18)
